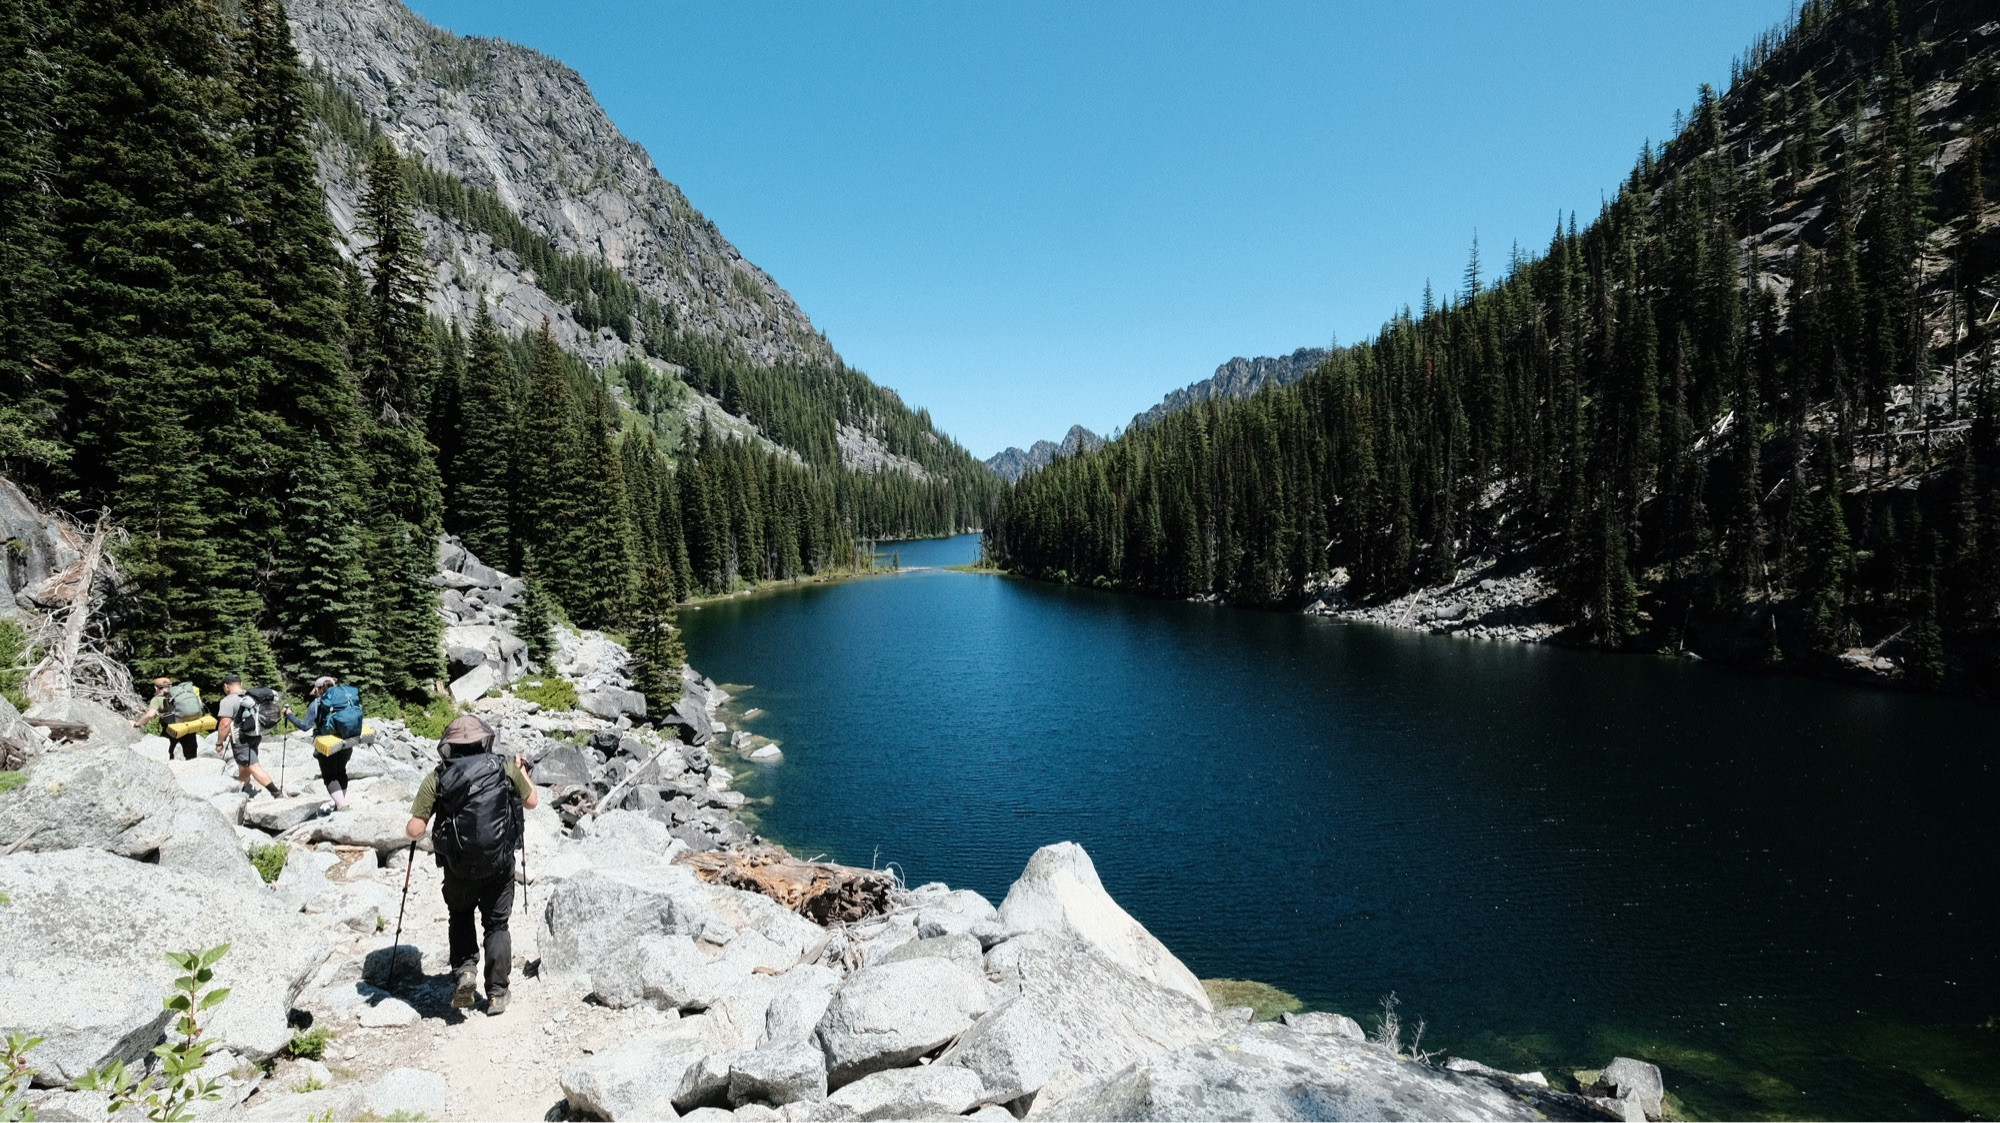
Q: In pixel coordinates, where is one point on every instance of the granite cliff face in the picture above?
(511, 121)
(1237, 378)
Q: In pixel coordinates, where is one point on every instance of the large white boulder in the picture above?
(643, 1079)
(204, 842)
(925, 1092)
(1270, 1071)
(1013, 1050)
(104, 799)
(1098, 1014)
(889, 1015)
(87, 932)
(599, 914)
(1060, 892)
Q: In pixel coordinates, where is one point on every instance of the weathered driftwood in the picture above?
(819, 891)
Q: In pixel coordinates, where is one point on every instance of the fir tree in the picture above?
(482, 481)
(536, 621)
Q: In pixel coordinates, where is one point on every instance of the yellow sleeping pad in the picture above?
(203, 724)
(326, 744)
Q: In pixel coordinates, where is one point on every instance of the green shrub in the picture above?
(554, 692)
(309, 1084)
(11, 780)
(1268, 1001)
(269, 860)
(428, 720)
(309, 1044)
(14, 662)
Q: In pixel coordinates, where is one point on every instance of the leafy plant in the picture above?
(309, 1044)
(554, 692)
(269, 860)
(428, 720)
(169, 1095)
(14, 662)
(15, 1076)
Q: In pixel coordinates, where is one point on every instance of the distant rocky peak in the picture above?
(1012, 463)
(1237, 378)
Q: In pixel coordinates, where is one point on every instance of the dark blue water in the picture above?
(1781, 890)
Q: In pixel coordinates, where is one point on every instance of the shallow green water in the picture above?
(1782, 891)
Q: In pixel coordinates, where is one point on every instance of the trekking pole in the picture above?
(396, 941)
(284, 758)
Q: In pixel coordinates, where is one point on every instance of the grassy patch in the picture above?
(1268, 1001)
(309, 1084)
(270, 860)
(309, 1044)
(553, 692)
(11, 780)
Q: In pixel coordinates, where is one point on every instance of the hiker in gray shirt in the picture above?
(240, 728)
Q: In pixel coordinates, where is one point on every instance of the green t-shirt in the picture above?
(421, 807)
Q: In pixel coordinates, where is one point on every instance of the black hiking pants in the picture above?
(494, 898)
(187, 743)
(333, 769)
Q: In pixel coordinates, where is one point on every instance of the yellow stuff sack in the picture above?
(326, 744)
(203, 724)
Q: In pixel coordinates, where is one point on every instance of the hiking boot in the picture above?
(496, 1003)
(468, 987)
(249, 790)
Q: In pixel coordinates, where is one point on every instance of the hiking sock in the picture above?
(273, 789)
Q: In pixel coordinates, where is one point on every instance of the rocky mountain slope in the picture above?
(1011, 464)
(511, 121)
(1237, 378)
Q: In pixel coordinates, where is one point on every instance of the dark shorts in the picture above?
(245, 749)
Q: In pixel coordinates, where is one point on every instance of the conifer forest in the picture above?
(1750, 410)
(283, 430)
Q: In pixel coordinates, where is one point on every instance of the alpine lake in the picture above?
(1782, 891)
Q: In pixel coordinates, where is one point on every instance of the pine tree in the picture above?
(657, 650)
(482, 482)
(536, 621)
(556, 483)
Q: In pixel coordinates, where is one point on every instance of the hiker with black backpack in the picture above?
(241, 721)
(478, 799)
(334, 719)
(180, 710)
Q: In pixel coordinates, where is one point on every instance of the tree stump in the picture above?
(822, 892)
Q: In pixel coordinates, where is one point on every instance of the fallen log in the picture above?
(822, 892)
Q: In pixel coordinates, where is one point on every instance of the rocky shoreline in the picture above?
(669, 962)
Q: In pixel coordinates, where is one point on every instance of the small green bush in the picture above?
(269, 860)
(1268, 1001)
(11, 780)
(554, 692)
(309, 1084)
(428, 720)
(309, 1044)
(14, 662)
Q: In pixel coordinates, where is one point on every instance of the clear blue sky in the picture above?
(1026, 215)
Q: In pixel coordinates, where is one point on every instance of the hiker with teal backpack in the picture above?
(334, 719)
(179, 707)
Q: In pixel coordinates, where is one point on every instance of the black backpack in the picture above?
(264, 710)
(478, 817)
